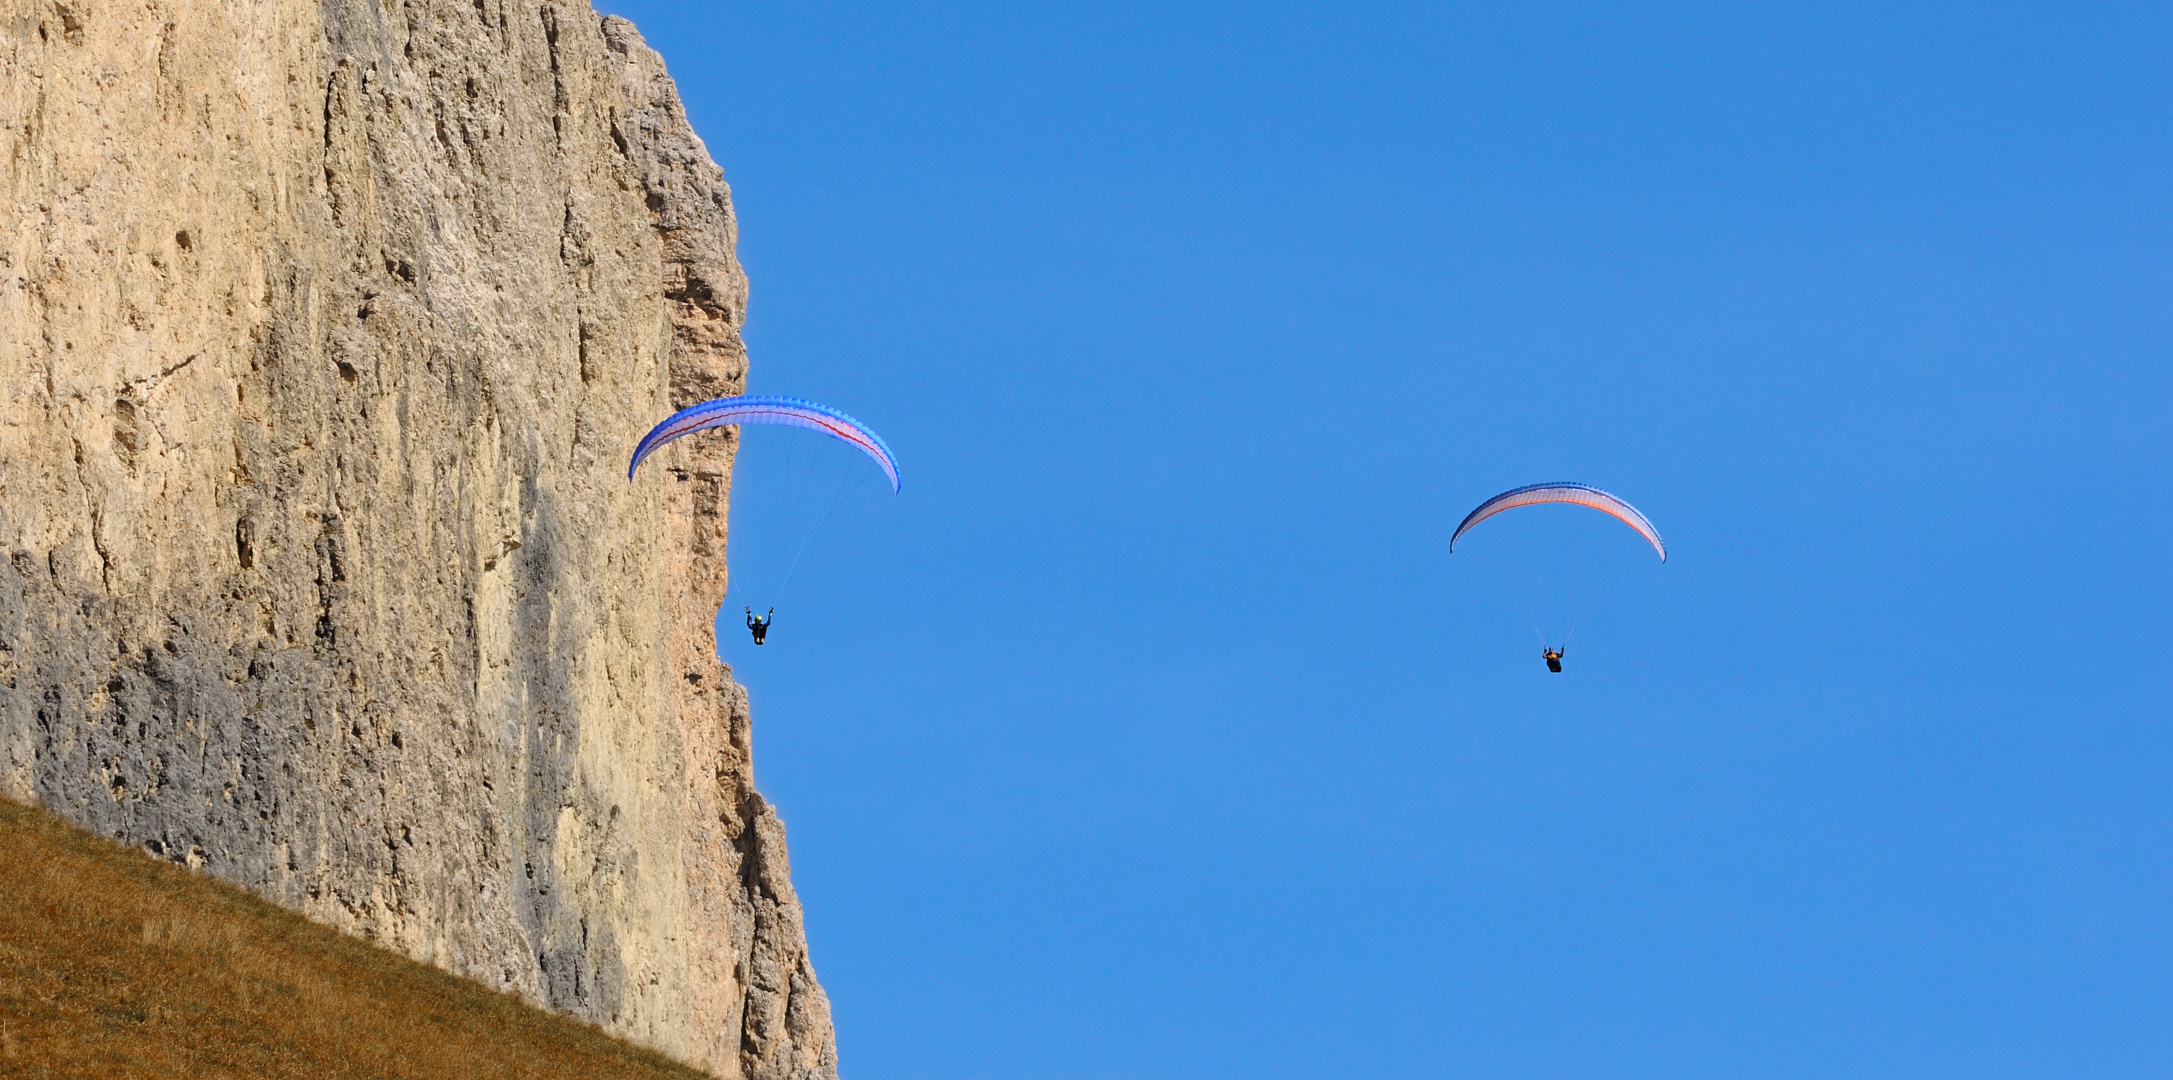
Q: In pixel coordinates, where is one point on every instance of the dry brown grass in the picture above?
(114, 964)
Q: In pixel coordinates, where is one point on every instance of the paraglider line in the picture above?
(810, 538)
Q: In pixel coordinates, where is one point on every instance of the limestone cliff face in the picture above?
(326, 327)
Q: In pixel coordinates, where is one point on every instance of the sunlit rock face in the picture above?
(325, 331)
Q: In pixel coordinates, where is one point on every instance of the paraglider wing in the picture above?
(1575, 494)
(788, 411)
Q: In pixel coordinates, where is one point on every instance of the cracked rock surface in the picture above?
(326, 327)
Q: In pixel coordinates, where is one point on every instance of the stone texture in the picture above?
(325, 329)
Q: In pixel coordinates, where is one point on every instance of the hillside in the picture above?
(115, 964)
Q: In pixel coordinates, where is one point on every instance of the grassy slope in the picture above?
(114, 964)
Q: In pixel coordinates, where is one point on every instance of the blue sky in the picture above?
(1153, 732)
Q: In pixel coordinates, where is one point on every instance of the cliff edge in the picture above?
(326, 327)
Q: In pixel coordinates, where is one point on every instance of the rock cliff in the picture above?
(325, 329)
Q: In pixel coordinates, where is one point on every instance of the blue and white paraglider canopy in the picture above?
(786, 411)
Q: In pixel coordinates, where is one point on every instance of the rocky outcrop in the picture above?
(325, 330)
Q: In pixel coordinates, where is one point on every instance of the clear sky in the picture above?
(1153, 732)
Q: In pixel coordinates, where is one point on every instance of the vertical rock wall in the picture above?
(325, 330)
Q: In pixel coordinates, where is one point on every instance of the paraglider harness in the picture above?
(1552, 655)
(761, 626)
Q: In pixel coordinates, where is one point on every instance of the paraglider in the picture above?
(784, 412)
(1572, 494)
